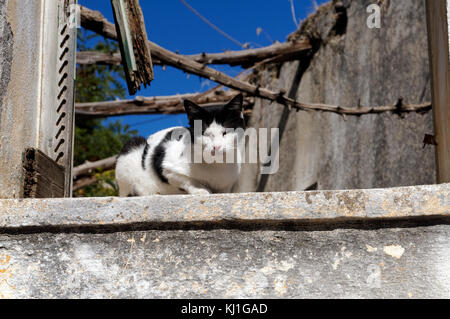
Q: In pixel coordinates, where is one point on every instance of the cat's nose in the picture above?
(217, 148)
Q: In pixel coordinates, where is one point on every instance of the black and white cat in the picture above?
(164, 163)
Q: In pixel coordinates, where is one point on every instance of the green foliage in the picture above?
(98, 141)
(93, 140)
(96, 82)
(105, 187)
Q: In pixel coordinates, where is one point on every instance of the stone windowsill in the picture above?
(230, 209)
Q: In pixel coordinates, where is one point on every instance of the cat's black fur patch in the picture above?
(144, 155)
(158, 157)
(160, 151)
(132, 144)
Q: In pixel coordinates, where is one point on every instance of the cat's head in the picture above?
(218, 124)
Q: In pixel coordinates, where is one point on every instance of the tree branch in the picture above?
(280, 52)
(96, 57)
(88, 167)
(174, 105)
(153, 105)
(95, 21)
(102, 26)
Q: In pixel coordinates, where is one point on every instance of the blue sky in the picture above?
(170, 24)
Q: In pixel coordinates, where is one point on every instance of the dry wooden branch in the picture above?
(188, 65)
(95, 57)
(100, 24)
(403, 108)
(95, 21)
(174, 105)
(89, 167)
(278, 52)
(191, 66)
(153, 105)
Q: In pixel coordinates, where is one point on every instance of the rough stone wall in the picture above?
(20, 75)
(378, 243)
(352, 65)
(342, 263)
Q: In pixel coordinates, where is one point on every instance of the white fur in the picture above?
(184, 176)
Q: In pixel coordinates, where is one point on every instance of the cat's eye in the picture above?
(224, 133)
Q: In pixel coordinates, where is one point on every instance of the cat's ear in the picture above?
(236, 103)
(193, 111)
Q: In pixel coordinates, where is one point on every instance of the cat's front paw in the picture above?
(199, 191)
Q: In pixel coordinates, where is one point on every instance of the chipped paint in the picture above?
(395, 251)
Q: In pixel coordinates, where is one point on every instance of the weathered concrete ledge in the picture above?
(43, 253)
(312, 207)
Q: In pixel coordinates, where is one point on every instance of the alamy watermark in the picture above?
(74, 16)
(374, 19)
(249, 146)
